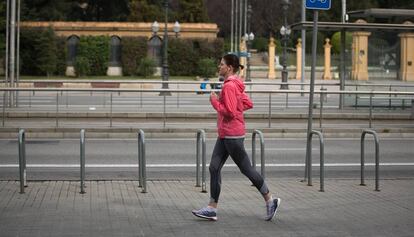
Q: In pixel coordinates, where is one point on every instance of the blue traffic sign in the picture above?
(318, 4)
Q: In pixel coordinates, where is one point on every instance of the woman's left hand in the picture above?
(213, 95)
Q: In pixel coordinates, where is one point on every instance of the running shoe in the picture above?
(206, 213)
(271, 208)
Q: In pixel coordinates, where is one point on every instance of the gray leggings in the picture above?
(235, 148)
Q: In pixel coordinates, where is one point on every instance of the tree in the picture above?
(145, 10)
(192, 11)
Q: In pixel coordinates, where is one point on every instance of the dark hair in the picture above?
(233, 60)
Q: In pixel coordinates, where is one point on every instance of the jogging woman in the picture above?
(230, 105)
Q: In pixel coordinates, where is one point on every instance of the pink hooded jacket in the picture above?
(230, 107)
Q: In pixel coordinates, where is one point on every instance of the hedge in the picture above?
(95, 49)
(43, 53)
(133, 50)
(38, 52)
(185, 54)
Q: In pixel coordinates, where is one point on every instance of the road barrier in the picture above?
(201, 141)
(82, 161)
(308, 163)
(142, 167)
(405, 96)
(262, 151)
(372, 132)
(22, 160)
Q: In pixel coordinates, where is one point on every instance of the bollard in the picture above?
(321, 158)
(22, 160)
(201, 137)
(82, 161)
(262, 151)
(142, 169)
(372, 132)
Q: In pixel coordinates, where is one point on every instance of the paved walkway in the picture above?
(118, 208)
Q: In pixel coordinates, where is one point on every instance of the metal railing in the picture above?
(142, 167)
(323, 94)
(201, 138)
(22, 160)
(372, 132)
(262, 151)
(82, 161)
(308, 162)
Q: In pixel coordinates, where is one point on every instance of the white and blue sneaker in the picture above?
(206, 213)
(271, 208)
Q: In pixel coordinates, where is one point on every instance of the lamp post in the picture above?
(177, 28)
(285, 32)
(165, 73)
(249, 38)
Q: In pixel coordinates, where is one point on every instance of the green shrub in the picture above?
(260, 44)
(184, 54)
(82, 66)
(61, 51)
(133, 49)
(96, 50)
(146, 67)
(336, 42)
(182, 58)
(207, 67)
(38, 51)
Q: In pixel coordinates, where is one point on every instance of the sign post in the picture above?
(314, 5)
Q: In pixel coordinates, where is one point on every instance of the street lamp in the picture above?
(165, 74)
(155, 27)
(285, 32)
(177, 28)
(249, 38)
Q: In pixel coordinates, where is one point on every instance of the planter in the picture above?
(105, 84)
(48, 84)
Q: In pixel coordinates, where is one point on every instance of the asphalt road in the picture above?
(174, 159)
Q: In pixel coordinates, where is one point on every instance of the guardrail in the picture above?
(323, 94)
(22, 160)
(201, 138)
(308, 162)
(82, 161)
(142, 167)
(262, 151)
(372, 132)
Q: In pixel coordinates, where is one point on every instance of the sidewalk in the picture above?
(118, 208)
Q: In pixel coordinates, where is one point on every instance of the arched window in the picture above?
(115, 53)
(72, 44)
(154, 49)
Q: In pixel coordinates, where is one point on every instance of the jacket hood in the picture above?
(237, 81)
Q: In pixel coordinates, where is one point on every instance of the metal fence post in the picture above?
(4, 108)
(270, 110)
(372, 132)
(164, 110)
(370, 110)
(82, 161)
(321, 108)
(178, 96)
(57, 108)
(321, 160)
(262, 151)
(22, 160)
(110, 112)
(142, 169)
(201, 137)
